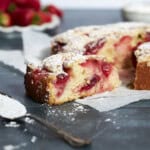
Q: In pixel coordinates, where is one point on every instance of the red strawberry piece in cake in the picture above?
(61, 83)
(124, 44)
(106, 68)
(93, 47)
(93, 81)
(147, 37)
(95, 65)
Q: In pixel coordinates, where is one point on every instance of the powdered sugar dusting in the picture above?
(56, 62)
(76, 39)
(108, 120)
(14, 147)
(12, 124)
(33, 139)
(11, 108)
(70, 114)
(28, 120)
(143, 52)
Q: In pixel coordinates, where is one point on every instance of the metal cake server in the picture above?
(12, 109)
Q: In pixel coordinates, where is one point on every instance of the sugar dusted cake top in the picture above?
(143, 52)
(74, 40)
(56, 62)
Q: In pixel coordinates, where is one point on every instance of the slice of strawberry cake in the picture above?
(116, 42)
(68, 76)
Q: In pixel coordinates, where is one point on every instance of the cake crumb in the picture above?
(33, 139)
(12, 124)
(25, 130)
(14, 147)
(108, 120)
(28, 120)
(114, 122)
(71, 114)
(72, 119)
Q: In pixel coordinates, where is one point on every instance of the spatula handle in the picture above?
(72, 140)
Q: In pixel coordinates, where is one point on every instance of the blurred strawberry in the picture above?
(41, 17)
(20, 2)
(12, 7)
(5, 19)
(35, 4)
(22, 17)
(4, 5)
(54, 10)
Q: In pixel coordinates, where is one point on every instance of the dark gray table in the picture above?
(127, 128)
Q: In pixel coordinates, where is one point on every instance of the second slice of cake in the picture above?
(65, 77)
(142, 75)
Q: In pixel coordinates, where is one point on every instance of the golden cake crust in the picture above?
(142, 79)
(142, 75)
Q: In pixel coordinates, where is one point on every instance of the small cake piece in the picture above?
(142, 75)
(64, 77)
(116, 42)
